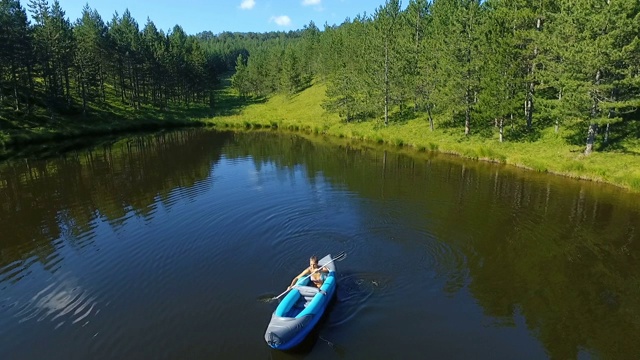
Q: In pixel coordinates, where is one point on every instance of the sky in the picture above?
(226, 15)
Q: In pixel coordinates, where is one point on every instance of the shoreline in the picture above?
(550, 153)
(366, 144)
(303, 113)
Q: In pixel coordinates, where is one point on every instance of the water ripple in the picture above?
(354, 291)
(62, 301)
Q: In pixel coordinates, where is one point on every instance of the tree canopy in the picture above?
(478, 65)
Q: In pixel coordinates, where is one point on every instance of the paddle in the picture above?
(338, 257)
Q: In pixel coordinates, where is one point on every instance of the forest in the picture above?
(483, 67)
(480, 65)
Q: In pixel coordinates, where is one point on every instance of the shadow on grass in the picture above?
(228, 104)
(522, 133)
(403, 116)
(518, 131)
(6, 124)
(621, 136)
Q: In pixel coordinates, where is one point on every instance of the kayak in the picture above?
(301, 309)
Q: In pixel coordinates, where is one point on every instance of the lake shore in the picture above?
(24, 135)
(303, 112)
(549, 152)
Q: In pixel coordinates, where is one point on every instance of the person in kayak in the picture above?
(317, 274)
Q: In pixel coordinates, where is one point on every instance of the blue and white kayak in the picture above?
(301, 309)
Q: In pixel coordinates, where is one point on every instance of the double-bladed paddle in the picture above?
(338, 257)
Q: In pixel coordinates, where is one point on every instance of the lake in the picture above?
(169, 245)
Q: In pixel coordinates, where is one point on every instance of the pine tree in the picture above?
(239, 80)
(310, 44)
(456, 28)
(423, 60)
(125, 41)
(351, 90)
(503, 78)
(90, 33)
(64, 49)
(593, 56)
(154, 50)
(54, 49)
(386, 55)
(291, 74)
(15, 52)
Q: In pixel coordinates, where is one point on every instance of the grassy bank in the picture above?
(19, 130)
(550, 152)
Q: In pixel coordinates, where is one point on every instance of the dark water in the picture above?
(165, 246)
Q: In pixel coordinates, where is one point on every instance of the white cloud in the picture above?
(282, 20)
(311, 2)
(249, 4)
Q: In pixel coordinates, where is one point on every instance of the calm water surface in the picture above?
(165, 246)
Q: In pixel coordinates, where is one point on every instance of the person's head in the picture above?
(313, 262)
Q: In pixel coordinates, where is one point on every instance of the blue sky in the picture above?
(226, 15)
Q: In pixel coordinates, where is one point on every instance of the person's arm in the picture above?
(295, 279)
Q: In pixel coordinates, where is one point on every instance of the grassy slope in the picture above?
(550, 153)
(18, 130)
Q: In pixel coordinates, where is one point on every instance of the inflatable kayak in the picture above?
(301, 309)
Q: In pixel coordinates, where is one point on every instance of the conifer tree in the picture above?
(90, 33)
(423, 60)
(15, 52)
(593, 56)
(385, 56)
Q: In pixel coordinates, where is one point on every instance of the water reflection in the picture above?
(561, 253)
(473, 254)
(51, 209)
(63, 198)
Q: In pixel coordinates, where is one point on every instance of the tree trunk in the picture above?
(31, 87)
(122, 92)
(67, 86)
(528, 105)
(101, 80)
(591, 134)
(15, 87)
(430, 117)
(501, 129)
(593, 127)
(467, 121)
(467, 95)
(558, 120)
(386, 82)
(84, 98)
(416, 91)
(531, 87)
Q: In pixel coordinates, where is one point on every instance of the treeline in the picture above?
(65, 67)
(480, 65)
(226, 46)
(286, 63)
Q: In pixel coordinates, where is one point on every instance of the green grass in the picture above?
(550, 152)
(18, 129)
